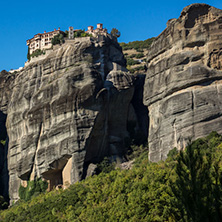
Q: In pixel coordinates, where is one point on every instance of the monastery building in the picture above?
(42, 41)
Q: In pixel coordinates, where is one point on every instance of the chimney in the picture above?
(54, 30)
(44, 31)
(59, 28)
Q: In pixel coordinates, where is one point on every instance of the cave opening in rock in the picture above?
(59, 176)
(54, 178)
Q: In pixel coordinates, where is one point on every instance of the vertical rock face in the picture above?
(183, 87)
(6, 87)
(67, 111)
(4, 177)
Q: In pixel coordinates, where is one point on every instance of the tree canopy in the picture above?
(185, 188)
(115, 32)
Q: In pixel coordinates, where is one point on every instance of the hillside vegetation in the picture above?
(135, 53)
(185, 187)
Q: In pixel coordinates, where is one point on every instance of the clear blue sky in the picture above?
(136, 20)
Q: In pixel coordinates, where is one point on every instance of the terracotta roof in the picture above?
(43, 34)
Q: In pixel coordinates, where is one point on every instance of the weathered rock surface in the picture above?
(67, 110)
(4, 176)
(183, 87)
(6, 87)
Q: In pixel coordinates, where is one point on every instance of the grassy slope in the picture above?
(135, 53)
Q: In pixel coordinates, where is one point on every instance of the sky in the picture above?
(136, 20)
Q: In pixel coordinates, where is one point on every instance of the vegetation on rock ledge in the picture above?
(138, 45)
(34, 188)
(135, 53)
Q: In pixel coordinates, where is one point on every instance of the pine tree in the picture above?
(198, 183)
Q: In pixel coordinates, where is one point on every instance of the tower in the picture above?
(100, 26)
(71, 32)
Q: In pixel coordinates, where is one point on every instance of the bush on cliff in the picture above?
(37, 53)
(185, 187)
(132, 62)
(115, 32)
(3, 203)
(34, 188)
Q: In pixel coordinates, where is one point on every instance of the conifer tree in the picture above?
(198, 183)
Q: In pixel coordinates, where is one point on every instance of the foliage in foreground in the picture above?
(186, 187)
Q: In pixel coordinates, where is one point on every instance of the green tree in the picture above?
(115, 32)
(198, 182)
(81, 33)
(58, 39)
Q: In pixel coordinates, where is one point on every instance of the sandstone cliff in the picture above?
(65, 111)
(183, 88)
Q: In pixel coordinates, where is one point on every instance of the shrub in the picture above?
(3, 203)
(132, 56)
(3, 142)
(139, 55)
(105, 166)
(33, 188)
(37, 52)
(81, 33)
(139, 50)
(58, 39)
(137, 69)
(131, 62)
(115, 32)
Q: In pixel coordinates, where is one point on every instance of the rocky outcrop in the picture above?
(68, 109)
(183, 87)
